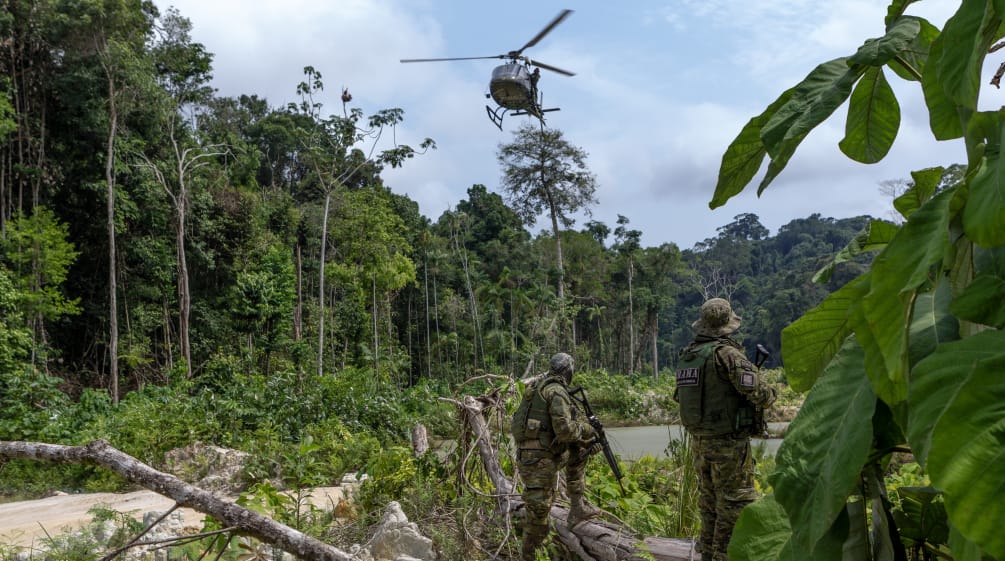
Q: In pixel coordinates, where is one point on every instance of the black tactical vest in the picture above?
(532, 421)
(709, 404)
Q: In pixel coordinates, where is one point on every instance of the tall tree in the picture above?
(184, 70)
(628, 243)
(332, 149)
(544, 173)
(117, 31)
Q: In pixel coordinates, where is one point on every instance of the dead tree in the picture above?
(241, 519)
(595, 540)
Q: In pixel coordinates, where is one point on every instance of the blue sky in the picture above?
(661, 88)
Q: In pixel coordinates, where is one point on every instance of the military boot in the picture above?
(580, 510)
(533, 537)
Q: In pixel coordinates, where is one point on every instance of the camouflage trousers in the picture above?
(539, 471)
(725, 469)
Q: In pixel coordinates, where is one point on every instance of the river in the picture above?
(634, 442)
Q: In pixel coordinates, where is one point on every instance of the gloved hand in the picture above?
(587, 434)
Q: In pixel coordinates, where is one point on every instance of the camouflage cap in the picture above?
(561, 363)
(717, 319)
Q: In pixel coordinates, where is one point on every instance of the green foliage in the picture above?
(629, 399)
(917, 324)
(661, 492)
(39, 256)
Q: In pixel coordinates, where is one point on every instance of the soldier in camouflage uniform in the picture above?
(551, 436)
(722, 397)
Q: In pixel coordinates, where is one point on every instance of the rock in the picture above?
(397, 539)
(215, 469)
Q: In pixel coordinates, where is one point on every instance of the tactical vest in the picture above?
(709, 404)
(532, 420)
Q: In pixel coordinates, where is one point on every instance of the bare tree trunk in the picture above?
(656, 357)
(298, 311)
(420, 440)
(113, 303)
(321, 289)
(184, 298)
(231, 515)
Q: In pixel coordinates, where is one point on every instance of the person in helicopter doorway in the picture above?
(720, 394)
(550, 435)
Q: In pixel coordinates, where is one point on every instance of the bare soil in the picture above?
(25, 523)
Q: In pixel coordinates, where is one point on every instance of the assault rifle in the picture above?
(601, 438)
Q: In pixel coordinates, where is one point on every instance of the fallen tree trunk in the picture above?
(595, 540)
(245, 521)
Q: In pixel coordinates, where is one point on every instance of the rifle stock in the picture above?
(601, 439)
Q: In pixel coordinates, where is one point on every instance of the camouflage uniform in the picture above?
(539, 464)
(721, 441)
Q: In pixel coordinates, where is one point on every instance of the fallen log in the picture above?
(243, 520)
(592, 540)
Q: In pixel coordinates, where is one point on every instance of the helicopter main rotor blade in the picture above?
(547, 29)
(454, 58)
(550, 67)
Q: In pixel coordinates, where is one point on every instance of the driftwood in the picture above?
(185, 495)
(594, 540)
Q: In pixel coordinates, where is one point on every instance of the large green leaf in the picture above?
(966, 36)
(921, 516)
(873, 119)
(873, 238)
(932, 324)
(810, 342)
(879, 51)
(925, 183)
(911, 62)
(943, 113)
(981, 301)
(957, 429)
(896, 9)
(743, 158)
(819, 462)
(963, 549)
(763, 534)
(823, 90)
(984, 214)
(897, 273)
(856, 547)
(875, 366)
(813, 100)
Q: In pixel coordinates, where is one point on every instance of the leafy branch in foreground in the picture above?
(910, 352)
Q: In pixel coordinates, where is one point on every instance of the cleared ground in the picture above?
(25, 523)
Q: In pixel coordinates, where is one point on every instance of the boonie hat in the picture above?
(717, 319)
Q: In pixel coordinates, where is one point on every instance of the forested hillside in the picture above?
(152, 231)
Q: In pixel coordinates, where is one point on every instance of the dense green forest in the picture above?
(152, 231)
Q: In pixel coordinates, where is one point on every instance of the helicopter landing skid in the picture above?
(496, 115)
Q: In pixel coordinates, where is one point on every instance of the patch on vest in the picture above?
(687, 377)
(747, 380)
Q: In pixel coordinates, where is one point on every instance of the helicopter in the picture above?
(513, 85)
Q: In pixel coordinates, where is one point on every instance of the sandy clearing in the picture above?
(24, 523)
